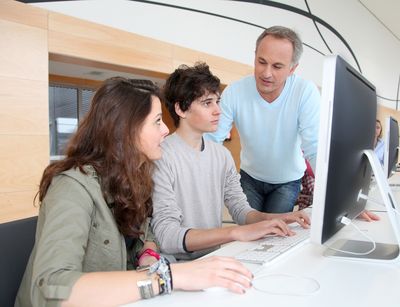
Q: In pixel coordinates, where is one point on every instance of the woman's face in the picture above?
(153, 131)
(378, 129)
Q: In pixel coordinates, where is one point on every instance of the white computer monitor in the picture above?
(391, 146)
(345, 158)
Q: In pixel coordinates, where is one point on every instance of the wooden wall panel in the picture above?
(88, 31)
(24, 133)
(228, 71)
(71, 39)
(20, 13)
(68, 44)
(23, 110)
(24, 158)
(65, 80)
(22, 51)
(17, 205)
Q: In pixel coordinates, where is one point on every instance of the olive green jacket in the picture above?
(76, 233)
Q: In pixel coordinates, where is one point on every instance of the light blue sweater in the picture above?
(272, 135)
(380, 150)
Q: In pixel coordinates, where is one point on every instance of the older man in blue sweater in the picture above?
(277, 116)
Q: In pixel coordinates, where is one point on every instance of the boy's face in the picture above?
(203, 114)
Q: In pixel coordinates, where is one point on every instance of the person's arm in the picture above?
(167, 216)
(199, 239)
(309, 123)
(225, 120)
(234, 198)
(117, 288)
(63, 230)
(108, 288)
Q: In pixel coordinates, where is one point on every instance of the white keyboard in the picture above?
(272, 248)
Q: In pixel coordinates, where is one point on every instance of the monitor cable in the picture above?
(346, 221)
(377, 202)
(286, 284)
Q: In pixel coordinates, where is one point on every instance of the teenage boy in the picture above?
(196, 177)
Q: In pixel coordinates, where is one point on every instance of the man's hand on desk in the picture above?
(299, 217)
(368, 216)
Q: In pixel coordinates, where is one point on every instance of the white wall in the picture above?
(377, 50)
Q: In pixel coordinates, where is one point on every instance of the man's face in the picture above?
(272, 66)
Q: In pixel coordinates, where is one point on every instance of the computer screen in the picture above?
(391, 146)
(347, 127)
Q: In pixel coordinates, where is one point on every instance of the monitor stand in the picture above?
(383, 251)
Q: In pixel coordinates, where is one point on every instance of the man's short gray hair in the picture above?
(284, 33)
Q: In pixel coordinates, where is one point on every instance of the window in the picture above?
(67, 106)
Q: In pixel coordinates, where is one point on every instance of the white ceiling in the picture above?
(386, 11)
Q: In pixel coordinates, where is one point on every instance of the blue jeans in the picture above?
(268, 197)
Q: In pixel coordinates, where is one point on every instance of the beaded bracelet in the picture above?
(163, 270)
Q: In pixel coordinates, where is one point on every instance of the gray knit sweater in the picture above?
(190, 188)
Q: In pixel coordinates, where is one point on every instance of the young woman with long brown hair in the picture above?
(94, 210)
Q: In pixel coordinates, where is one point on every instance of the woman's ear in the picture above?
(178, 110)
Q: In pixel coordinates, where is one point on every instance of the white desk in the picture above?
(342, 282)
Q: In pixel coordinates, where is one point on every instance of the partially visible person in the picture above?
(94, 208)
(379, 144)
(306, 195)
(196, 177)
(277, 116)
(379, 149)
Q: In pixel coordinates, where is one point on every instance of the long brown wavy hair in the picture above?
(107, 139)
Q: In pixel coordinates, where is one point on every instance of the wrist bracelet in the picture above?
(163, 270)
(145, 288)
(149, 252)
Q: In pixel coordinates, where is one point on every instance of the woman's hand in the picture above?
(210, 272)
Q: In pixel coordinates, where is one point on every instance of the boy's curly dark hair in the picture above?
(187, 84)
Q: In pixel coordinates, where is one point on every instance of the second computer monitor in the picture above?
(391, 146)
(347, 128)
